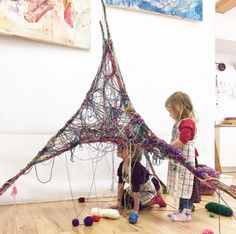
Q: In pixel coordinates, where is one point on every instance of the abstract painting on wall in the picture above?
(64, 22)
(191, 9)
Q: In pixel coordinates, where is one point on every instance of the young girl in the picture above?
(143, 189)
(180, 181)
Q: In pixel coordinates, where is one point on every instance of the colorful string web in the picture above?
(107, 116)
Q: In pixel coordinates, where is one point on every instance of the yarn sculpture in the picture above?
(207, 231)
(108, 116)
(219, 209)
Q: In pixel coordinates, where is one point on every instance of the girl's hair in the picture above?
(181, 102)
(136, 153)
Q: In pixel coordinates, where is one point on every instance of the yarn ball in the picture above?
(96, 218)
(210, 171)
(88, 221)
(133, 218)
(207, 231)
(106, 213)
(75, 222)
(207, 188)
(200, 173)
(219, 209)
(81, 199)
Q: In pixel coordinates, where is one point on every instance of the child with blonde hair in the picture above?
(180, 181)
(143, 190)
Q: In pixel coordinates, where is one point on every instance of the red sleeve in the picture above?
(187, 131)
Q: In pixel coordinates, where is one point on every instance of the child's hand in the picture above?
(117, 206)
(114, 206)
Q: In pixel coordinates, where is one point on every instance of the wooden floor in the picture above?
(55, 218)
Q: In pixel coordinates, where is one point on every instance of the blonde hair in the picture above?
(136, 153)
(181, 102)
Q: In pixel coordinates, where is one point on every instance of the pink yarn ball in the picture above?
(207, 231)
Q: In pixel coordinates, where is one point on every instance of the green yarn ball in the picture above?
(219, 209)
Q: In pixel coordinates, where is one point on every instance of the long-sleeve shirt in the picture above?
(187, 130)
(139, 176)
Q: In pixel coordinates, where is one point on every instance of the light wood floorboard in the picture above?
(55, 218)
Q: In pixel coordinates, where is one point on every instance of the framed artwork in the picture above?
(190, 9)
(64, 22)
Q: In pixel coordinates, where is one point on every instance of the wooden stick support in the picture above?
(164, 190)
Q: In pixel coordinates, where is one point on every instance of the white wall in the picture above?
(42, 85)
(226, 53)
(225, 33)
(226, 86)
(224, 26)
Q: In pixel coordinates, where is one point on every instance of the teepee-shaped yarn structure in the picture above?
(107, 115)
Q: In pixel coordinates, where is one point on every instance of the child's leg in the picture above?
(185, 203)
(158, 199)
(128, 201)
(181, 204)
(185, 215)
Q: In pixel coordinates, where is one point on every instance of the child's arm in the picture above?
(177, 144)
(187, 131)
(133, 217)
(120, 188)
(136, 202)
(120, 194)
(120, 191)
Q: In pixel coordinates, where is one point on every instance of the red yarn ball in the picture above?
(88, 221)
(75, 222)
(81, 199)
(96, 218)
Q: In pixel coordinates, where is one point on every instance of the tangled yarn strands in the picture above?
(108, 116)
